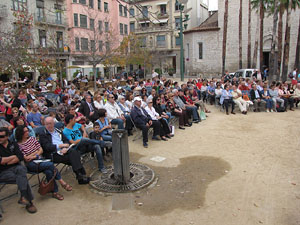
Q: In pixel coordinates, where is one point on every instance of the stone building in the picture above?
(203, 44)
(49, 28)
(157, 22)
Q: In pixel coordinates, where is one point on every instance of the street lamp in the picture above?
(181, 3)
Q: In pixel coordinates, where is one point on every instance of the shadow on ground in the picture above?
(182, 187)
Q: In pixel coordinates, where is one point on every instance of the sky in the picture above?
(213, 4)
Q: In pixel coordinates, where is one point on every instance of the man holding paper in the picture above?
(56, 146)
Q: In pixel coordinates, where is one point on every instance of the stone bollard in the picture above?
(120, 156)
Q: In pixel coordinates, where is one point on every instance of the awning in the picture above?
(162, 3)
(145, 21)
(160, 21)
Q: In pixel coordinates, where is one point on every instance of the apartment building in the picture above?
(95, 27)
(49, 28)
(157, 22)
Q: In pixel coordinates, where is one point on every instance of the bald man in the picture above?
(56, 147)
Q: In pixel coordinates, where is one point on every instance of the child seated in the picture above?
(96, 135)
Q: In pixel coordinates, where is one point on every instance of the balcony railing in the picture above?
(3, 10)
(50, 20)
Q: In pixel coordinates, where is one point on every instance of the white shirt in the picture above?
(151, 111)
(113, 111)
(99, 105)
(154, 74)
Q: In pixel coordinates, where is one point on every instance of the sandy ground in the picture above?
(233, 169)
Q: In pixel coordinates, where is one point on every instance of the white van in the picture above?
(244, 73)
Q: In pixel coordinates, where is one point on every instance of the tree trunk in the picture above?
(249, 37)
(60, 74)
(281, 11)
(261, 35)
(297, 63)
(95, 76)
(255, 51)
(241, 35)
(286, 50)
(224, 37)
(273, 64)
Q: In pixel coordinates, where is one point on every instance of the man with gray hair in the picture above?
(180, 103)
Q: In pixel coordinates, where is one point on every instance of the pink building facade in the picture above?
(94, 27)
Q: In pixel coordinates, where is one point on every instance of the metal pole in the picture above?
(181, 47)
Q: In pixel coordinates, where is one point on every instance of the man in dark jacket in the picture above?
(12, 172)
(88, 109)
(56, 147)
(256, 98)
(143, 121)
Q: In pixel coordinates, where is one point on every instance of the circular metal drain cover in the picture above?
(141, 176)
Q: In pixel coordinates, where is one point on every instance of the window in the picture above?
(177, 23)
(75, 20)
(58, 19)
(144, 42)
(99, 4)
(42, 38)
(83, 21)
(107, 46)
(145, 11)
(91, 4)
(121, 28)
(77, 46)
(177, 6)
(125, 29)
(59, 40)
(84, 44)
(120, 10)
(163, 9)
(161, 41)
(40, 14)
(106, 24)
(145, 24)
(19, 5)
(132, 26)
(200, 44)
(100, 46)
(163, 24)
(74, 1)
(93, 46)
(105, 7)
(82, 2)
(125, 11)
(177, 41)
(92, 24)
(131, 12)
(188, 50)
(100, 26)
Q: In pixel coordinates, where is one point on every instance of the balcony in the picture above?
(51, 20)
(162, 15)
(3, 11)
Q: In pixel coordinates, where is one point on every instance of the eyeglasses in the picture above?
(3, 136)
(15, 112)
(150, 102)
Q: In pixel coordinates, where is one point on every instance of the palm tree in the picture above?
(280, 24)
(297, 63)
(273, 64)
(290, 5)
(225, 37)
(241, 35)
(255, 45)
(249, 37)
(261, 33)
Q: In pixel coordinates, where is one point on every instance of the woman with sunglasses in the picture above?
(32, 150)
(79, 117)
(16, 114)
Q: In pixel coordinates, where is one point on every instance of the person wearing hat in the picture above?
(126, 110)
(143, 121)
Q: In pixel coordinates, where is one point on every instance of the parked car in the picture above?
(244, 73)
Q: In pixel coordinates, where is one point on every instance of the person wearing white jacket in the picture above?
(114, 114)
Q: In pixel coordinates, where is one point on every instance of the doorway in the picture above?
(266, 63)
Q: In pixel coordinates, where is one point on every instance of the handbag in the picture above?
(44, 186)
(202, 115)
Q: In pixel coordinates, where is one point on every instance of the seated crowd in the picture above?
(44, 131)
(77, 122)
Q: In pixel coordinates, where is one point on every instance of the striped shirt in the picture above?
(30, 146)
